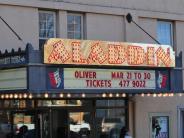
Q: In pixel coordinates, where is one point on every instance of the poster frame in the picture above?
(159, 115)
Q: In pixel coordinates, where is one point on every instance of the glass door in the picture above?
(80, 124)
(44, 124)
(59, 123)
(24, 124)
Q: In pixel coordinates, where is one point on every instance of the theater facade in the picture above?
(84, 88)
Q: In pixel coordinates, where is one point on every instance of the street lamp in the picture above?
(130, 19)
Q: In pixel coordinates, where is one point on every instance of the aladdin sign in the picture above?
(88, 52)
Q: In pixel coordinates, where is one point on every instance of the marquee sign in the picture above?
(78, 78)
(108, 79)
(13, 79)
(17, 59)
(88, 52)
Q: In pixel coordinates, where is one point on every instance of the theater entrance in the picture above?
(51, 123)
(64, 119)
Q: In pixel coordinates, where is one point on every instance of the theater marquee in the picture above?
(87, 52)
(108, 79)
(80, 78)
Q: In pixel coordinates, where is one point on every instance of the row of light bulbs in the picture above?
(16, 96)
(61, 95)
(83, 95)
(161, 95)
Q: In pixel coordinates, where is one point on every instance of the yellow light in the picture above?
(166, 95)
(68, 95)
(110, 95)
(20, 96)
(117, 95)
(123, 95)
(103, 95)
(2, 96)
(46, 95)
(11, 96)
(30, 96)
(61, 95)
(25, 95)
(15, 96)
(148, 94)
(180, 94)
(83, 95)
(6, 96)
(159, 95)
(154, 95)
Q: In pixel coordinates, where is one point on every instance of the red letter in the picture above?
(136, 55)
(162, 56)
(59, 53)
(117, 54)
(76, 53)
(151, 56)
(97, 54)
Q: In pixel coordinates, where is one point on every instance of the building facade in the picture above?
(32, 101)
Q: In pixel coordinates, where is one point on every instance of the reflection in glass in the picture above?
(74, 25)
(110, 120)
(160, 126)
(110, 103)
(5, 126)
(71, 28)
(23, 124)
(46, 25)
(165, 32)
(43, 103)
(80, 124)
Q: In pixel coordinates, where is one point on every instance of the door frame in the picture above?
(180, 111)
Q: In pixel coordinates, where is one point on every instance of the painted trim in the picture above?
(116, 10)
(180, 109)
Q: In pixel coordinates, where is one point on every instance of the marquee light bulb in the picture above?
(6, 96)
(30, 96)
(46, 95)
(103, 95)
(11, 96)
(25, 95)
(180, 94)
(68, 95)
(15, 96)
(20, 96)
(110, 95)
(159, 95)
(61, 95)
(2, 96)
(83, 95)
(154, 95)
(123, 95)
(117, 95)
